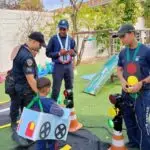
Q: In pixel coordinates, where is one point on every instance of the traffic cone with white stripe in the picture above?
(74, 124)
(117, 141)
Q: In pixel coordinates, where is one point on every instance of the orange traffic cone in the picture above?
(117, 141)
(74, 124)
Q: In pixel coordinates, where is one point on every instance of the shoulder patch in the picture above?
(29, 62)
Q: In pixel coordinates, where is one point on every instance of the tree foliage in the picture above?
(115, 14)
(51, 27)
(129, 10)
(147, 12)
(102, 18)
(34, 5)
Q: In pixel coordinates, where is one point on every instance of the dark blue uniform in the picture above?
(136, 116)
(23, 64)
(61, 71)
(49, 106)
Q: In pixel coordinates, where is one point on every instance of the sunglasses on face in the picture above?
(62, 29)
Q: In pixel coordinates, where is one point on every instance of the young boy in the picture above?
(49, 106)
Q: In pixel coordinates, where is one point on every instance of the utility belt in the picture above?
(10, 84)
(12, 88)
(63, 63)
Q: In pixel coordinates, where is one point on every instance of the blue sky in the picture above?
(54, 4)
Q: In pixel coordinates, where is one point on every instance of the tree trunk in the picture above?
(75, 8)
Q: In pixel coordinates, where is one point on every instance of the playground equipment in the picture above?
(88, 77)
(102, 76)
(89, 36)
(99, 79)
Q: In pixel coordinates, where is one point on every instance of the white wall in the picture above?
(13, 25)
(140, 23)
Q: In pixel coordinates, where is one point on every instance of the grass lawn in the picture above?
(91, 110)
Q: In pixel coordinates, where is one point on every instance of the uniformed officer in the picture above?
(134, 74)
(24, 72)
(61, 49)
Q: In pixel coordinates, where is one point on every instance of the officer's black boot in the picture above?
(13, 126)
(22, 142)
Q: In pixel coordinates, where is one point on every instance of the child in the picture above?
(49, 106)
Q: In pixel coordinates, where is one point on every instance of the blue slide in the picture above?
(102, 76)
(89, 76)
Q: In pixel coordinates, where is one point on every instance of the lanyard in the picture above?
(66, 45)
(135, 53)
(35, 100)
(66, 42)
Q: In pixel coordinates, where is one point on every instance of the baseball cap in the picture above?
(126, 28)
(38, 36)
(63, 24)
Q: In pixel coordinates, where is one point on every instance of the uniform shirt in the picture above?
(23, 64)
(142, 58)
(54, 47)
(49, 106)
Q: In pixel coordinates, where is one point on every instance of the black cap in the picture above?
(126, 28)
(38, 36)
(43, 82)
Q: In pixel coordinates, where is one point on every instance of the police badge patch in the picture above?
(29, 62)
(63, 22)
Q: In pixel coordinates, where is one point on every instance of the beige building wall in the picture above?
(14, 26)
